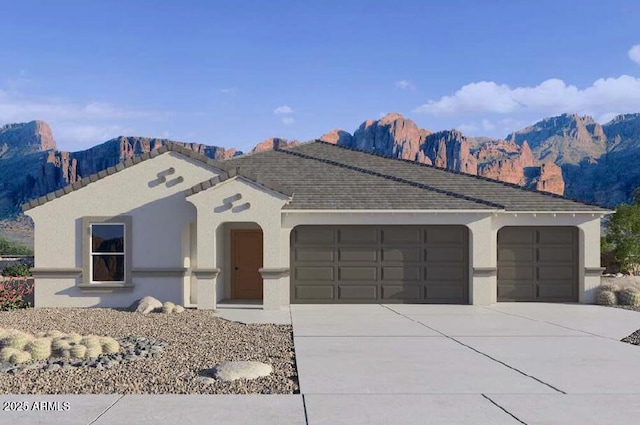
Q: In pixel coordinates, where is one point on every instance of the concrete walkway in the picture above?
(410, 364)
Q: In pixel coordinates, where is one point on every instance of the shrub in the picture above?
(13, 293)
(630, 296)
(606, 298)
(17, 270)
(8, 247)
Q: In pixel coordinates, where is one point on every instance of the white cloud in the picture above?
(288, 120)
(283, 110)
(230, 90)
(634, 53)
(549, 97)
(404, 85)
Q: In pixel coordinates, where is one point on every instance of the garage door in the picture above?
(371, 264)
(538, 264)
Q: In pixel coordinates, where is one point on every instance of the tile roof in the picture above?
(321, 175)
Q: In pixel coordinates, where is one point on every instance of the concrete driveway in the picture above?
(441, 364)
(506, 364)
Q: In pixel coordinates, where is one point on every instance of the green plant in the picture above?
(611, 287)
(93, 351)
(109, 345)
(39, 348)
(8, 247)
(61, 348)
(13, 293)
(623, 235)
(606, 298)
(168, 307)
(178, 309)
(17, 270)
(90, 341)
(629, 296)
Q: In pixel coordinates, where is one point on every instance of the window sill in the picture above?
(105, 287)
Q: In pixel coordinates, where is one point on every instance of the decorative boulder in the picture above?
(230, 371)
(146, 305)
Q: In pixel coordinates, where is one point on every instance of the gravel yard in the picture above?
(197, 340)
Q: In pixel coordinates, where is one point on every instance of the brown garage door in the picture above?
(538, 264)
(371, 264)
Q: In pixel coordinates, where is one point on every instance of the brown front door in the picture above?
(246, 259)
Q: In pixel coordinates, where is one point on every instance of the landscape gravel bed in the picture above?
(193, 342)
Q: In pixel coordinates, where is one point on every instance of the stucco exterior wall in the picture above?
(236, 200)
(159, 214)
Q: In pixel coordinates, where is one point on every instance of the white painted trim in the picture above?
(556, 212)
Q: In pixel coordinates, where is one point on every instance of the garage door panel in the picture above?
(373, 263)
(445, 235)
(357, 236)
(358, 292)
(309, 235)
(444, 293)
(556, 236)
(314, 273)
(556, 254)
(405, 273)
(516, 254)
(314, 292)
(441, 254)
(357, 273)
(517, 291)
(358, 254)
(444, 273)
(517, 272)
(555, 290)
(314, 254)
(554, 272)
(400, 236)
(400, 254)
(549, 275)
(402, 292)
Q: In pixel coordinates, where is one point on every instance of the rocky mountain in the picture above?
(568, 154)
(398, 137)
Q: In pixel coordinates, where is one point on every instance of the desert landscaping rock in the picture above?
(160, 354)
(231, 371)
(146, 305)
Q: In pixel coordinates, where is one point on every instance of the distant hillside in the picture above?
(568, 154)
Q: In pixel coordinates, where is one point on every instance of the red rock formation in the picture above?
(274, 142)
(550, 179)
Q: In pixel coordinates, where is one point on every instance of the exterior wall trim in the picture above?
(593, 271)
(159, 272)
(56, 273)
(485, 271)
(105, 287)
(274, 273)
(205, 273)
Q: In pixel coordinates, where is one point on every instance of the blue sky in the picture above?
(235, 73)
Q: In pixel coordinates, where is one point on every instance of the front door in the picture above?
(246, 259)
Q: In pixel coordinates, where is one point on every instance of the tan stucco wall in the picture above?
(159, 214)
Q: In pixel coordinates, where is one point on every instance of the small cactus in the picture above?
(39, 348)
(90, 341)
(78, 351)
(168, 307)
(20, 357)
(6, 353)
(612, 287)
(73, 337)
(606, 298)
(109, 345)
(93, 351)
(178, 309)
(54, 334)
(61, 348)
(630, 296)
(16, 340)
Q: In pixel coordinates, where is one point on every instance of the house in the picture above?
(314, 223)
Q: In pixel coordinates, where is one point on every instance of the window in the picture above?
(108, 252)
